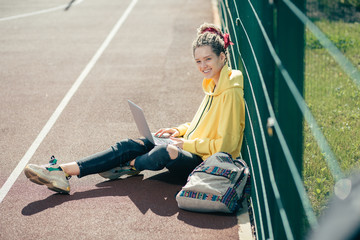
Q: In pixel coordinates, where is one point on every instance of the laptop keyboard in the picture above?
(161, 141)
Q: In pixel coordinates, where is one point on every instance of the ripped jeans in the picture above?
(146, 155)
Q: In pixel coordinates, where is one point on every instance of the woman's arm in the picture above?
(182, 129)
(229, 131)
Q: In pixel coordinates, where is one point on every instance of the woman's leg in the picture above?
(176, 160)
(124, 151)
(71, 168)
(57, 177)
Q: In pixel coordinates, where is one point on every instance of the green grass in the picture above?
(334, 100)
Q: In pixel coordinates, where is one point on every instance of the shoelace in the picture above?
(53, 162)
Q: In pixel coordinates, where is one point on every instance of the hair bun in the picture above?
(211, 28)
(205, 26)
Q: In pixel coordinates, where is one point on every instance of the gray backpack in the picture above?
(218, 184)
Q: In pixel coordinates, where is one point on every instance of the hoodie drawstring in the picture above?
(209, 99)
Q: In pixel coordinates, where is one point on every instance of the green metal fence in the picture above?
(269, 39)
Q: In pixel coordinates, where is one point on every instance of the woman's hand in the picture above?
(178, 142)
(172, 132)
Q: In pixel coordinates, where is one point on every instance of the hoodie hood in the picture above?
(228, 79)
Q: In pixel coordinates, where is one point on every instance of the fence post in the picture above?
(289, 33)
(266, 65)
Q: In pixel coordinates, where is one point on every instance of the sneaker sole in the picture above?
(113, 176)
(35, 178)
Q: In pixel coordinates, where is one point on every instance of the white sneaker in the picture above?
(117, 172)
(50, 175)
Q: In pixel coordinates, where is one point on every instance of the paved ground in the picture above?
(149, 61)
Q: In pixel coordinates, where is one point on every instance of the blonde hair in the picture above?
(210, 35)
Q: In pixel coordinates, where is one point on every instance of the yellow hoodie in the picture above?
(219, 123)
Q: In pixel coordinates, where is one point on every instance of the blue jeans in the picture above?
(147, 157)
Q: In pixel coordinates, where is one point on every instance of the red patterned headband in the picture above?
(226, 36)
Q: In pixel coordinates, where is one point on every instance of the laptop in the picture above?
(143, 127)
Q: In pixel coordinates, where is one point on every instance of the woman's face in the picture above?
(208, 63)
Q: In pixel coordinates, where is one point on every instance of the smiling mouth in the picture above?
(206, 71)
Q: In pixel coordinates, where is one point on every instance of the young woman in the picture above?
(217, 126)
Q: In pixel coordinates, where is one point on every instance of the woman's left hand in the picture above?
(179, 142)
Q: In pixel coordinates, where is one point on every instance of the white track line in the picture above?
(61, 7)
(30, 152)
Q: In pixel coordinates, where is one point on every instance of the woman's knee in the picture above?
(139, 141)
(173, 151)
(157, 158)
(169, 152)
(142, 142)
(130, 144)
